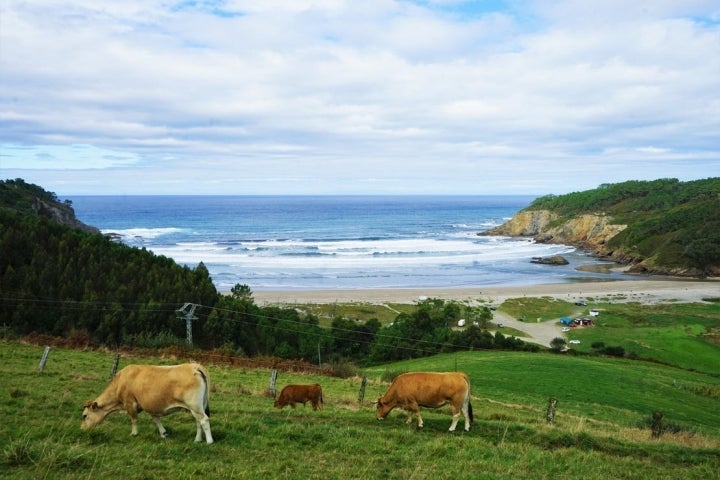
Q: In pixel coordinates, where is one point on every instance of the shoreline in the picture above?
(641, 291)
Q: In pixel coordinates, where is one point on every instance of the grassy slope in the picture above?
(600, 403)
(677, 335)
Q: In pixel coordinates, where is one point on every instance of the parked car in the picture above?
(574, 342)
(500, 325)
(581, 304)
(566, 329)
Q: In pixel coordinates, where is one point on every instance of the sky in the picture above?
(357, 97)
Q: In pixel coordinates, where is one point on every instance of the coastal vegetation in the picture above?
(663, 226)
(84, 289)
(62, 279)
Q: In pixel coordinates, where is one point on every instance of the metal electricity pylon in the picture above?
(187, 311)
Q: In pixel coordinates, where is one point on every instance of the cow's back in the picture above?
(158, 388)
(428, 386)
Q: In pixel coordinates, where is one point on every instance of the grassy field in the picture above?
(361, 311)
(683, 335)
(601, 428)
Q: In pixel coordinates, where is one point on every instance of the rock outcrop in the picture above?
(61, 213)
(586, 231)
(554, 260)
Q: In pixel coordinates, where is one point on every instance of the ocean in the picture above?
(335, 242)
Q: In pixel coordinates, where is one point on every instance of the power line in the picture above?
(420, 345)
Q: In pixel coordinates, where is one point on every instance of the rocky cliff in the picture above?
(661, 226)
(585, 231)
(590, 232)
(61, 213)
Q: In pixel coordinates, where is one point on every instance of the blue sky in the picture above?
(371, 97)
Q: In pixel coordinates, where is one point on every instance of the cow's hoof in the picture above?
(165, 435)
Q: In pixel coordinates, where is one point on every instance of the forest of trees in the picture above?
(62, 281)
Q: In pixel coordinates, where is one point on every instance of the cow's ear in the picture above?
(94, 405)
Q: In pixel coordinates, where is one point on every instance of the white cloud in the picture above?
(63, 157)
(345, 96)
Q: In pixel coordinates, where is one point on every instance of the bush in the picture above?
(557, 344)
(617, 351)
(158, 340)
(344, 370)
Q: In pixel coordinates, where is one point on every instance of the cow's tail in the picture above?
(206, 382)
(469, 403)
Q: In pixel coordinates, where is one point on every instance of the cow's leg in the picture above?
(133, 420)
(314, 404)
(203, 425)
(466, 414)
(420, 421)
(415, 409)
(161, 430)
(456, 417)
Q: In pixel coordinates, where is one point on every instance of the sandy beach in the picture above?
(640, 290)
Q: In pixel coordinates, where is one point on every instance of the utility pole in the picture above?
(187, 312)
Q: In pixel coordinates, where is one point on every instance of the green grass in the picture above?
(684, 335)
(532, 308)
(599, 431)
(361, 311)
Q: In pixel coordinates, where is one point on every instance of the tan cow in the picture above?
(157, 390)
(410, 391)
(292, 394)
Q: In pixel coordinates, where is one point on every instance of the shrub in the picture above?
(616, 351)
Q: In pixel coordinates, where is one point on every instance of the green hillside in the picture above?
(671, 225)
(601, 428)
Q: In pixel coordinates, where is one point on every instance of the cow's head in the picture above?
(92, 415)
(382, 409)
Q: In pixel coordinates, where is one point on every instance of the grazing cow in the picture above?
(158, 390)
(292, 394)
(410, 391)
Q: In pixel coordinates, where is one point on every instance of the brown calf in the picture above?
(292, 394)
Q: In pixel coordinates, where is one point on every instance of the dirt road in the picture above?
(541, 333)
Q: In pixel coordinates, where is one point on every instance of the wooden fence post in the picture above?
(113, 370)
(273, 379)
(44, 358)
(550, 415)
(657, 427)
(361, 395)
